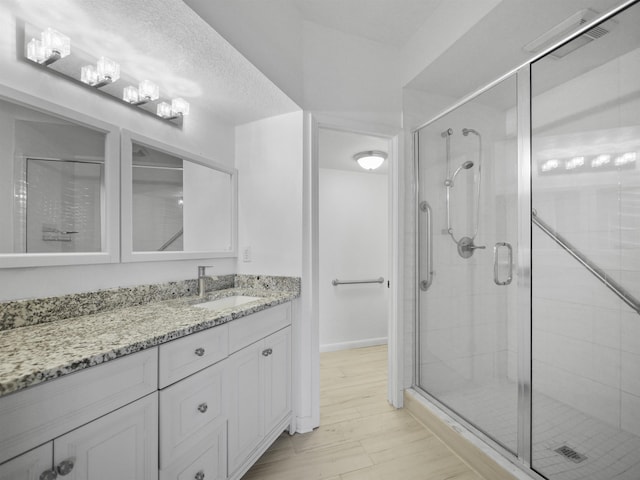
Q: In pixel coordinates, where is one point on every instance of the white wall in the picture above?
(201, 134)
(353, 246)
(269, 162)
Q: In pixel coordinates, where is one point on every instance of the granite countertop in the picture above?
(34, 354)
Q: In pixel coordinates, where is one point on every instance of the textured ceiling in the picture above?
(391, 22)
(164, 41)
(337, 149)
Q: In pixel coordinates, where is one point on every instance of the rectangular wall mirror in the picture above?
(58, 186)
(175, 204)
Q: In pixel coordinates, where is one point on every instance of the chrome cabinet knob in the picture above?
(200, 475)
(203, 407)
(199, 351)
(48, 475)
(267, 352)
(65, 467)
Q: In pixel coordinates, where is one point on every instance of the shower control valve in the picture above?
(466, 247)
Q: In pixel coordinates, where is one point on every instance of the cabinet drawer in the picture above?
(189, 410)
(180, 358)
(36, 415)
(250, 329)
(212, 462)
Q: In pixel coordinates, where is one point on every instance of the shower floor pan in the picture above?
(604, 452)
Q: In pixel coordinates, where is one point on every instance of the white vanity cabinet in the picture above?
(201, 407)
(258, 385)
(95, 424)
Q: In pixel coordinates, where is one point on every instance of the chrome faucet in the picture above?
(202, 278)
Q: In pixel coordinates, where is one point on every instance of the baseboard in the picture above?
(478, 455)
(367, 342)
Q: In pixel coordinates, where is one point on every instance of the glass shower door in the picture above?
(586, 255)
(468, 230)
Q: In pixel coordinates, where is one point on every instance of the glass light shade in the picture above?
(164, 110)
(574, 163)
(148, 90)
(179, 106)
(55, 42)
(89, 75)
(108, 70)
(130, 94)
(35, 51)
(370, 160)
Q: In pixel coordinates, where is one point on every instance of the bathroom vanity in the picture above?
(195, 393)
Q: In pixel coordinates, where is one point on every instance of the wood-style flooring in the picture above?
(360, 435)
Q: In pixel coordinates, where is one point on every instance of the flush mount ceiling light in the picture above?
(53, 51)
(371, 159)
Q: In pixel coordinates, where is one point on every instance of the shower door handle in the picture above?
(425, 284)
(496, 269)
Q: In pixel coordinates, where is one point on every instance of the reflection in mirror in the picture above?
(53, 188)
(182, 205)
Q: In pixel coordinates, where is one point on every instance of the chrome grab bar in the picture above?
(351, 282)
(600, 274)
(173, 238)
(496, 270)
(425, 284)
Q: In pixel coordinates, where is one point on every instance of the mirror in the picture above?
(58, 188)
(176, 205)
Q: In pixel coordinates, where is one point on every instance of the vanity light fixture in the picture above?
(178, 108)
(107, 71)
(371, 159)
(51, 47)
(146, 92)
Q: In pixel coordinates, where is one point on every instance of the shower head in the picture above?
(465, 166)
(467, 131)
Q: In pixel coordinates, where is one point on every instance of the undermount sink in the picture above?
(227, 302)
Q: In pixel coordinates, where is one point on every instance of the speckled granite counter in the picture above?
(36, 353)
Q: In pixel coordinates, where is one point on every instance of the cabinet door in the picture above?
(277, 399)
(30, 465)
(246, 397)
(122, 445)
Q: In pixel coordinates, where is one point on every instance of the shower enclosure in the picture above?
(528, 213)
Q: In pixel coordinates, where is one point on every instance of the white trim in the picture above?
(111, 207)
(306, 333)
(126, 228)
(367, 342)
(395, 324)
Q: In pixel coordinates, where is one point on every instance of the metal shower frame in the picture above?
(522, 74)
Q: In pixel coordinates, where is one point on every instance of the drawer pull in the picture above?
(65, 466)
(203, 407)
(48, 475)
(200, 475)
(199, 351)
(267, 352)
